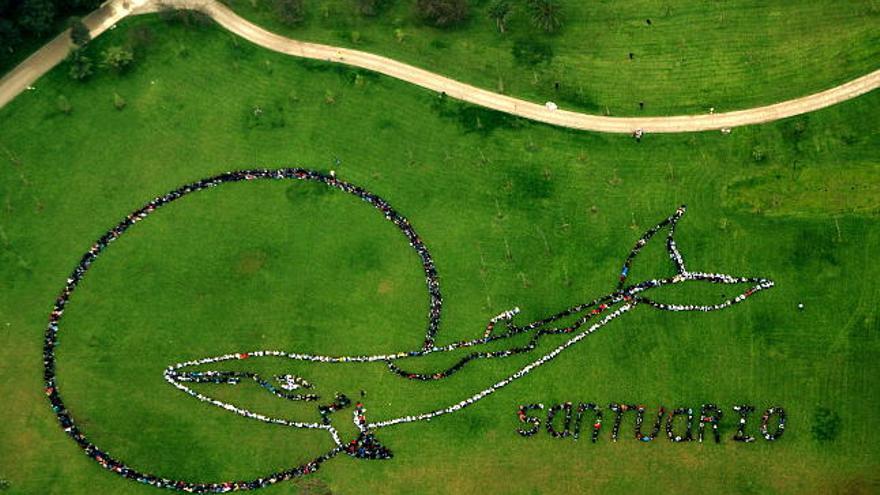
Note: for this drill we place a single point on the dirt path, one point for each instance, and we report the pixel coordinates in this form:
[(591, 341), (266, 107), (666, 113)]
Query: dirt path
[(54, 52)]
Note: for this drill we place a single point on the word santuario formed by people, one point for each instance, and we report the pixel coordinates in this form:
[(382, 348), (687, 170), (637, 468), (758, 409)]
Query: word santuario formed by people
[(568, 419)]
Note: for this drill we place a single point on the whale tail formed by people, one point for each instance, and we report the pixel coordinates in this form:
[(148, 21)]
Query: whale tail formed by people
[(682, 274)]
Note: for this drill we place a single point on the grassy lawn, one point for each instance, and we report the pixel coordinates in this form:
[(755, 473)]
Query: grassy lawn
[(693, 56), (515, 214)]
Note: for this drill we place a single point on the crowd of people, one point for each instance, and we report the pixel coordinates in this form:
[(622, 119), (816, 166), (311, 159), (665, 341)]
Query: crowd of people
[(710, 414), (180, 380), (599, 306), (285, 383), (596, 424), (566, 424), (340, 402), (51, 336), (629, 295), (503, 383), (624, 299), (365, 446)]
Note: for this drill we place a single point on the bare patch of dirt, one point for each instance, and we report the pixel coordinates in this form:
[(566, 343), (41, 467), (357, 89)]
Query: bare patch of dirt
[(250, 262), (385, 287)]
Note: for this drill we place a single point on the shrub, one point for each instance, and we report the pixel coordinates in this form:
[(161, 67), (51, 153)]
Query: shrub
[(9, 34), (79, 33), (826, 424), (794, 130), (187, 17), (442, 13), (270, 116), (140, 37), (118, 58), (758, 154), (370, 8), (118, 101), (81, 66), (290, 12), (546, 14), (64, 105), (529, 51)]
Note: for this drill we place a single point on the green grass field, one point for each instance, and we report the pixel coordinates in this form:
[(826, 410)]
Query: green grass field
[(693, 56), (515, 213)]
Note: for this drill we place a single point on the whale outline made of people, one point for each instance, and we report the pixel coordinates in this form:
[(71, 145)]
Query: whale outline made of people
[(600, 311)]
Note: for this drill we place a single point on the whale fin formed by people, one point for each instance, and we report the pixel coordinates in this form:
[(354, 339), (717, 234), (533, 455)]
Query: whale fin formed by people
[(501, 338)]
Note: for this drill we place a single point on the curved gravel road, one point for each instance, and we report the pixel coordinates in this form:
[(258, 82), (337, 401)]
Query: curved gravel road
[(23, 76)]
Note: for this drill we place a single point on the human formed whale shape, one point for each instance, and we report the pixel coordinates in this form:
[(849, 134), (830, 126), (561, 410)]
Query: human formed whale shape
[(581, 321), (304, 385)]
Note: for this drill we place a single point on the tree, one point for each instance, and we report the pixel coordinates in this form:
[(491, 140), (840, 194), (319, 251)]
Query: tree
[(36, 16), (79, 33), (442, 13), (81, 66), (531, 51), (370, 8), (500, 12), (290, 12), (140, 37), (118, 58), (758, 154), (9, 35), (826, 424), (81, 5), (546, 14)]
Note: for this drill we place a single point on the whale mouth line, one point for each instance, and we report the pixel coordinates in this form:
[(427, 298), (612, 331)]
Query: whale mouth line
[(282, 386), (182, 380)]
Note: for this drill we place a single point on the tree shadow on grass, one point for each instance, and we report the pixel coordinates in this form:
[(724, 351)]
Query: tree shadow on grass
[(474, 119)]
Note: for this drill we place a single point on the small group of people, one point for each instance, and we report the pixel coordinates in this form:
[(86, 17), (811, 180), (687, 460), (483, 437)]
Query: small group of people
[(670, 425), (574, 419), (523, 414), (566, 425), (365, 446), (765, 423)]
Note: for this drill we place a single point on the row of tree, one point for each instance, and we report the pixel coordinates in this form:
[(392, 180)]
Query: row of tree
[(117, 58), (544, 14)]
